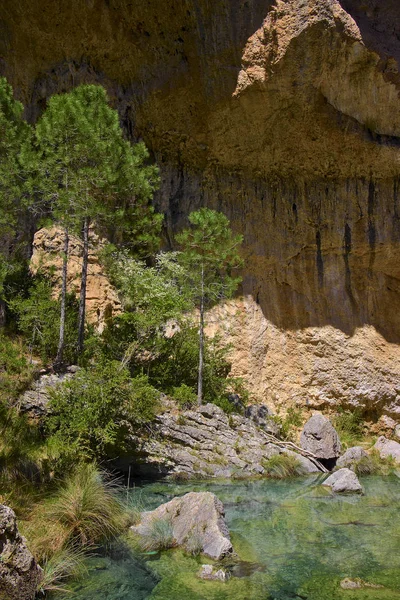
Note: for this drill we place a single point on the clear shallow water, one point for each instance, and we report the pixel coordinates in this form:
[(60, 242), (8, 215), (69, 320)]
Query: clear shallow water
[(297, 542)]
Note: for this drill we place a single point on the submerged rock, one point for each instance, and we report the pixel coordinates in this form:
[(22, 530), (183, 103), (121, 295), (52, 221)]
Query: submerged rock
[(388, 448), (357, 584), (210, 573), (197, 524), (344, 481), (320, 437), (20, 575), (351, 457)]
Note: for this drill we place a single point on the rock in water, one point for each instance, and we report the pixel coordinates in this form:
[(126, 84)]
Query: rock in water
[(197, 522), (388, 448), (20, 575), (320, 437), (351, 456), (344, 481)]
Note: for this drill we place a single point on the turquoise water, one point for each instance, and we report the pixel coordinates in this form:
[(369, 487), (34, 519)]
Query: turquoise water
[(294, 539)]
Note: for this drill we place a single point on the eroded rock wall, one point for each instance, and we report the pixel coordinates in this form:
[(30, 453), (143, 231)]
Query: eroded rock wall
[(284, 114)]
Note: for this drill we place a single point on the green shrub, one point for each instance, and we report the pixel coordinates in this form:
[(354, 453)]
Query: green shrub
[(16, 373), (349, 425), (21, 447), (184, 396), (38, 318), (92, 412), (281, 466)]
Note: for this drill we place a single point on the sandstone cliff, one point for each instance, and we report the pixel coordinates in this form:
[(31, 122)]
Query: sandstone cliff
[(285, 115)]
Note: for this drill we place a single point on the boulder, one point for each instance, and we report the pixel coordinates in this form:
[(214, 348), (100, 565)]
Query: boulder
[(320, 437), (344, 481), (196, 520), (351, 457), (20, 575), (388, 448)]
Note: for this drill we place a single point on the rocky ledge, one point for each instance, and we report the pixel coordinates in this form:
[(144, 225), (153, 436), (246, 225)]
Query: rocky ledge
[(207, 443), (20, 575)]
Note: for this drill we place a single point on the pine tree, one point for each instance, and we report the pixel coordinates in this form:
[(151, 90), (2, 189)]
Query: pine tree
[(14, 131), (87, 172), (209, 253)]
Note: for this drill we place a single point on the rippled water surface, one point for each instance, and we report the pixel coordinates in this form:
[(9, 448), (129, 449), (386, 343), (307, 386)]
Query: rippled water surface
[(294, 539)]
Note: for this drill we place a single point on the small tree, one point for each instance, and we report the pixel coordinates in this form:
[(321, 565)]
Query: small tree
[(151, 297), (209, 253), (87, 171)]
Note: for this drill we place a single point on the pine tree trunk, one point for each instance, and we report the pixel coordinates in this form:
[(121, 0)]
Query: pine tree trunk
[(201, 344), (60, 350), (82, 298)]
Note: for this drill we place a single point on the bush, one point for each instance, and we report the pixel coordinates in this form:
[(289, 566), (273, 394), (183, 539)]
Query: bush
[(16, 373), (184, 396), (176, 364), (20, 447), (38, 318), (281, 466), (92, 412), (349, 425)]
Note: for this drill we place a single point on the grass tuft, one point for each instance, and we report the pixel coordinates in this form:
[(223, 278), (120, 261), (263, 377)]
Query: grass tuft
[(281, 466), (64, 564), (159, 536)]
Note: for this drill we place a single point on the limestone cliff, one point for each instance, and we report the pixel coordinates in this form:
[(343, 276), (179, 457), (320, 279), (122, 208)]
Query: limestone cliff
[(285, 115)]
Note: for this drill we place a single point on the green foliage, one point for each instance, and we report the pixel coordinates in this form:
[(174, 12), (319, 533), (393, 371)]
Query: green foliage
[(184, 396), (15, 372), (209, 254), (349, 425), (90, 413), (80, 162), (38, 318), (176, 364), (151, 297), (159, 535), (282, 466), (290, 422), (14, 131), (20, 447)]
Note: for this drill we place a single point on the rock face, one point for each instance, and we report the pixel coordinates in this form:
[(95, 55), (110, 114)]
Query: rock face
[(388, 448), (262, 416), (20, 576), (320, 437), (351, 456), (197, 519), (344, 481), (286, 116), (205, 442), (35, 401), (101, 298)]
